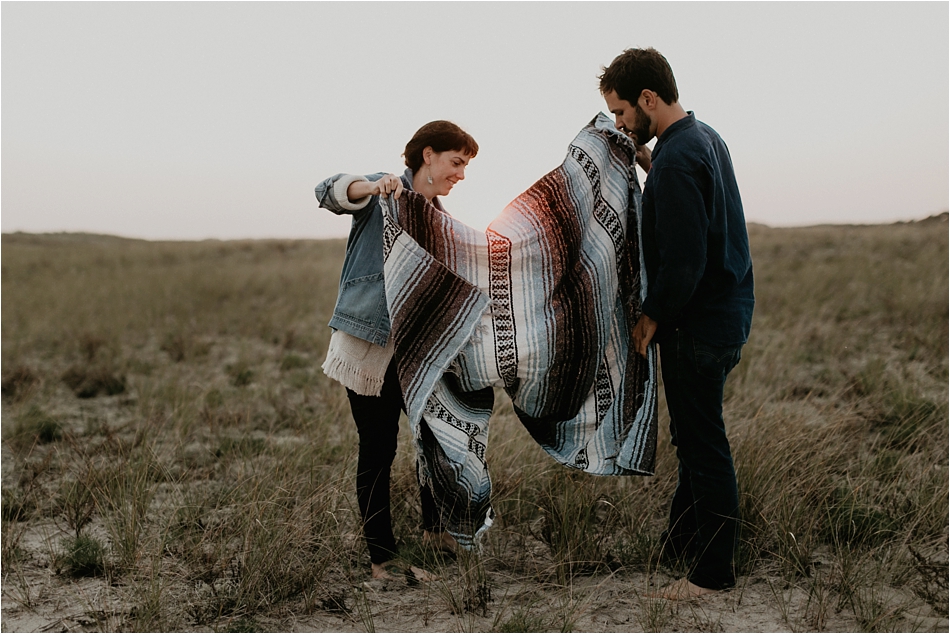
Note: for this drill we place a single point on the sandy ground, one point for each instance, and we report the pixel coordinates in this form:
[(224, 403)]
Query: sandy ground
[(41, 601)]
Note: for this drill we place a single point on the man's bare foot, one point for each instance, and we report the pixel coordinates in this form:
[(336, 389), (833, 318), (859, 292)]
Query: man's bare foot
[(440, 541), (681, 590), (393, 571)]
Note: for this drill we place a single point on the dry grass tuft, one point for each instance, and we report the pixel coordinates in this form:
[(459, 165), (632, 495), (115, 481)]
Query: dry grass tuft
[(92, 381), (35, 426), (19, 382)]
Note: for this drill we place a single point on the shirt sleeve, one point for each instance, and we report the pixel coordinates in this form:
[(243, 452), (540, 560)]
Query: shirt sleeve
[(681, 229)]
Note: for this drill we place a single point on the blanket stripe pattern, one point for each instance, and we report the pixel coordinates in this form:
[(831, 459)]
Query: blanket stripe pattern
[(541, 304)]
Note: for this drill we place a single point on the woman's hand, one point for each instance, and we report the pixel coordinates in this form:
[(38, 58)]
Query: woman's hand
[(388, 184)]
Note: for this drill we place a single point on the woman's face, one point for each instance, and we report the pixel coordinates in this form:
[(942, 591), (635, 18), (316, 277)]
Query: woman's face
[(446, 169)]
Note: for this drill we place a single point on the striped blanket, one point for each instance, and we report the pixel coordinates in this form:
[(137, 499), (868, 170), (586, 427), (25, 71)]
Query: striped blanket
[(541, 304)]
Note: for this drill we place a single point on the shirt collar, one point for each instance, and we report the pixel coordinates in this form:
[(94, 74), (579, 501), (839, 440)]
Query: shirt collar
[(686, 122)]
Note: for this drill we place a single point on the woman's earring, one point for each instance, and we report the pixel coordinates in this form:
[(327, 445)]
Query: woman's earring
[(429, 178)]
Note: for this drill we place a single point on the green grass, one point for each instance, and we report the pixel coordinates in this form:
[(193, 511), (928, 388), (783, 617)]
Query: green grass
[(82, 557), (164, 401), (34, 426)]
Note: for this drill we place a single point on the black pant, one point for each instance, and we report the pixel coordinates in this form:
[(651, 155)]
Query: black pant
[(377, 421), (704, 515)]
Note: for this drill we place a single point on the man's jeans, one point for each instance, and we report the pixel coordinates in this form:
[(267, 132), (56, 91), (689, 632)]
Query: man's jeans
[(704, 515)]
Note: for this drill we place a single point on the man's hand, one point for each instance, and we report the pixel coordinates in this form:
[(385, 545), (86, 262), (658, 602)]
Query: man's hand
[(644, 158), (642, 334)]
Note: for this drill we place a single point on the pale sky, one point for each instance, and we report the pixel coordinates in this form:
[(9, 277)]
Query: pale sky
[(180, 120)]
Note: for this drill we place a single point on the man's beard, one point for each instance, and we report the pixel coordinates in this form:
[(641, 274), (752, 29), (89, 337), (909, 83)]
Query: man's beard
[(641, 125)]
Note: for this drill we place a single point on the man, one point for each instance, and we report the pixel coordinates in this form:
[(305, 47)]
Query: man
[(698, 306)]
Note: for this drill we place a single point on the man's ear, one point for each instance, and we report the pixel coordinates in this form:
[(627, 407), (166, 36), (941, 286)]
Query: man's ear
[(649, 99)]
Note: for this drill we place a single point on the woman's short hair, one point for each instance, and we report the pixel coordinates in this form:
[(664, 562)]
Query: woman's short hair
[(441, 136)]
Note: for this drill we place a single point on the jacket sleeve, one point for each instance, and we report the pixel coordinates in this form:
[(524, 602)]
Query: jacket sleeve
[(681, 227), (331, 193)]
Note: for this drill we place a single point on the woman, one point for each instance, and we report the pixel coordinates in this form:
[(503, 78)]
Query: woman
[(361, 351)]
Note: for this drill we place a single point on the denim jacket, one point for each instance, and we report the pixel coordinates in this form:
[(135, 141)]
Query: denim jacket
[(361, 302)]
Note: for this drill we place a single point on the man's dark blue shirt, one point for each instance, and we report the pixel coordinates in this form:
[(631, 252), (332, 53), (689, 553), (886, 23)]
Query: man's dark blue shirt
[(695, 242)]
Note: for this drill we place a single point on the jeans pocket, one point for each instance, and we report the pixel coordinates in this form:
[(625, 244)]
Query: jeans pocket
[(715, 362)]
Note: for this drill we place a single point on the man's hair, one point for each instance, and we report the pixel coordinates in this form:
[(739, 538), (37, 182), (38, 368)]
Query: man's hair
[(441, 136), (637, 69)]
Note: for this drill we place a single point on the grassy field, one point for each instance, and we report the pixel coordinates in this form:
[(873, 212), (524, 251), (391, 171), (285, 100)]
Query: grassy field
[(174, 458)]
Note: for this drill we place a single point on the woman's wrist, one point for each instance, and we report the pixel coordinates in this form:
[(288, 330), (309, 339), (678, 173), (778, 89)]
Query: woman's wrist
[(359, 190), (342, 193)]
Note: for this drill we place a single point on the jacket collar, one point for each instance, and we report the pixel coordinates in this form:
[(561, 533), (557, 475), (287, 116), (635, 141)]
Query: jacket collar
[(407, 183)]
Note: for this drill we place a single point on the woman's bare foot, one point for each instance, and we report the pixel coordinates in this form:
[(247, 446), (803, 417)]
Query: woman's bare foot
[(422, 574), (385, 571), (393, 571), (440, 541), (681, 590)]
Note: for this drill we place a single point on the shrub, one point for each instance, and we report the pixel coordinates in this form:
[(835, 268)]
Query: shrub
[(81, 556), (293, 362), (19, 382), (241, 373), (577, 523), (77, 504), (36, 426), (90, 345), (16, 505), (91, 381)]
